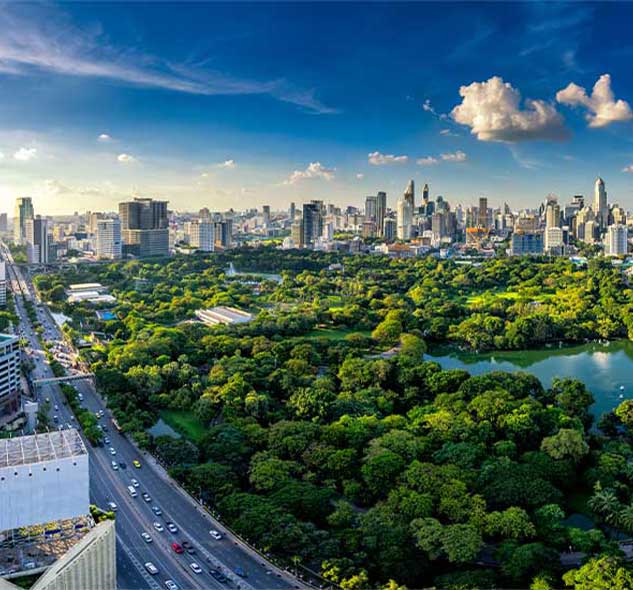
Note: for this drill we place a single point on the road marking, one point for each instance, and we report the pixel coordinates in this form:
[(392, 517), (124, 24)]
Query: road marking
[(139, 566)]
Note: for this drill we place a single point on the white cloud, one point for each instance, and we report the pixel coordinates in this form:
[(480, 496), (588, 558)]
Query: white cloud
[(314, 170), (602, 107), (25, 154), (428, 161), (55, 187), (492, 110), (448, 133), (104, 137), (628, 169), (457, 156), (126, 159), (228, 164), (426, 106), (360, 176), (378, 159)]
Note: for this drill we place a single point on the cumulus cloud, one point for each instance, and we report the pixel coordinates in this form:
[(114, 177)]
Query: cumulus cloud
[(492, 110), (457, 156), (628, 169), (104, 137), (360, 176), (378, 159), (428, 161), (314, 170), (126, 159), (603, 109), (228, 164), (25, 154), (55, 187)]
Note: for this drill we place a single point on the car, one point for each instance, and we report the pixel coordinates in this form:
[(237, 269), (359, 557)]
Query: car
[(156, 510), (115, 465), (56, 408), (241, 572), (219, 576), (112, 451), (146, 497), (112, 506), (151, 568), (195, 568), (177, 548), (136, 463), (190, 550), (171, 585), (56, 418), (106, 440), (158, 527), (135, 482), (105, 428), (146, 537), (172, 527), (215, 534), (72, 417)]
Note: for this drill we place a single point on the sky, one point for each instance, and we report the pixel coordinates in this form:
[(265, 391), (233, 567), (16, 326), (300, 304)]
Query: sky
[(242, 104)]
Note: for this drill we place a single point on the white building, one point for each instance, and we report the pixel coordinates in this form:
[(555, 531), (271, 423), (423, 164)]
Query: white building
[(553, 238), (37, 240), (600, 206), (10, 389), (108, 232), (404, 218), (3, 284), (223, 315), (616, 240), (202, 235)]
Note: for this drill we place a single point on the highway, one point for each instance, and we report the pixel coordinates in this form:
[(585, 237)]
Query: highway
[(134, 515)]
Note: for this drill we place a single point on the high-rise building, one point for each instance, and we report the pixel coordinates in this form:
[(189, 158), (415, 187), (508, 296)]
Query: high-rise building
[(266, 215), (617, 240), (370, 208), (10, 390), (404, 218), (144, 227), (312, 222), (526, 242), (600, 206), (552, 214), (3, 284), (109, 244), (202, 235), (425, 194), (37, 240), (409, 195), (23, 211), (554, 242), (381, 210), (223, 234), (292, 212), (204, 213), (389, 229), (296, 233), (482, 213), (4, 223)]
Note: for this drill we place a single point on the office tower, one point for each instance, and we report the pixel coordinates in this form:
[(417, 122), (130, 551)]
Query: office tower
[(381, 210), (266, 215), (482, 213), (23, 211), (202, 235), (109, 245), (425, 194), (223, 234), (3, 284), (409, 195), (292, 212), (296, 233), (370, 208), (4, 224), (617, 240), (204, 213), (600, 206), (10, 389), (404, 217), (144, 227), (526, 242), (389, 229), (591, 231), (618, 215), (553, 239), (37, 240), (552, 214), (312, 222)]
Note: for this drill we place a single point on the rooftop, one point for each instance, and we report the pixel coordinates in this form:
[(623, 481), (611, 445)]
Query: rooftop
[(36, 448)]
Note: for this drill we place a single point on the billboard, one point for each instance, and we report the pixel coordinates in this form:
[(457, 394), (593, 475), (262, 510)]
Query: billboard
[(43, 478)]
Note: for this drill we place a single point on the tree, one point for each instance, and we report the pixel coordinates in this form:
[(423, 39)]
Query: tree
[(574, 398), (565, 443), (512, 523), (625, 413), (601, 573)]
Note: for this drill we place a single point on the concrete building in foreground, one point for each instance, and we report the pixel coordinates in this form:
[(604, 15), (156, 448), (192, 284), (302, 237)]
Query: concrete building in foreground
[(10, 388)]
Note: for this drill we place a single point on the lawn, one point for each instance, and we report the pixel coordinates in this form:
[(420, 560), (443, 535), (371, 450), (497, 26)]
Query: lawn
[(184, 422), (335, 333)]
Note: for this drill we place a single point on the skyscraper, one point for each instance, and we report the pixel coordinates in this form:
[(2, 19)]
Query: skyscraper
[(552, 214), (37, 240), (482, 213), (409, 195), (202, 235), (108, 232), (292, 211), (266, 215), (23, 211), (404, 217), (144, 227), (312, 222), (617, 240), (381, 210), (600, 207), (425, 194)]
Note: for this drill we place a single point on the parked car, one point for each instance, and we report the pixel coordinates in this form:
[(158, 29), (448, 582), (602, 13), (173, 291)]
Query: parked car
[(215, 534)]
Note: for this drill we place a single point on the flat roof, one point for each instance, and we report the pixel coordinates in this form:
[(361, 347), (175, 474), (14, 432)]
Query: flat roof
[(38, 448), (83, 286)]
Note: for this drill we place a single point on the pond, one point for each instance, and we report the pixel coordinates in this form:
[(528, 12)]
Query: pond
[(606, 369)]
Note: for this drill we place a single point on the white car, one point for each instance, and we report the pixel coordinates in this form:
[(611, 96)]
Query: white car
[(146, 537), (151, 568), (112, 451), (172, 527), (171, 585), (112, 506), (195, 568), (158, 527), (215, 534), (135, 482), (115, 465), (146, 497)]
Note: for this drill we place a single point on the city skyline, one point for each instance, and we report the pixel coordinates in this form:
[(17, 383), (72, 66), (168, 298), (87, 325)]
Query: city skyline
[(255, 107)]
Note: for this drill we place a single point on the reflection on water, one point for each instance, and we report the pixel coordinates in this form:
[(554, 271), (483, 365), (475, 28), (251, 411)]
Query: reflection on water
[(606, 369)]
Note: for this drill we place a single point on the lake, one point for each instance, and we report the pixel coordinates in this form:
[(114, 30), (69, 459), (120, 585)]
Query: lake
[(604, 368)]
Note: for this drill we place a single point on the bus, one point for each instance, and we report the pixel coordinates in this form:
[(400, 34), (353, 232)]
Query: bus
[(116, 426)]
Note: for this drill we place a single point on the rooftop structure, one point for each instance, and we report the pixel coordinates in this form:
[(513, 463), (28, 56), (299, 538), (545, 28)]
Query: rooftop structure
[(25, 450), (81, 287), (223, 315), (91, 297)]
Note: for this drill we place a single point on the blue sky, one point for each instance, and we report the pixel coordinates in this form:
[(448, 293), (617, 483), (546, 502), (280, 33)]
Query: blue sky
[(237, 105)]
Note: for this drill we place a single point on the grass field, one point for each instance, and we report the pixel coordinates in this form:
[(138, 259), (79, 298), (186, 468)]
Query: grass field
[(185, 423), (488, 297), (335, 333)]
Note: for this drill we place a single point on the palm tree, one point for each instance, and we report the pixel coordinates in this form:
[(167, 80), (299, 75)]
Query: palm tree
[(604, 503), (625, 518)]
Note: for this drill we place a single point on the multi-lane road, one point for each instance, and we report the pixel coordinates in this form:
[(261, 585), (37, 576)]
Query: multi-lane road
[(134, 515)]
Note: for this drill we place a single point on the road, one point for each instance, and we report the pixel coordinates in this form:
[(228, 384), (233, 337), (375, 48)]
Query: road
[(134, 515)]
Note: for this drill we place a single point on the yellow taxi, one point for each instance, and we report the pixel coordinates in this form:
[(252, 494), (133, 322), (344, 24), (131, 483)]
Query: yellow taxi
[(136, 463)]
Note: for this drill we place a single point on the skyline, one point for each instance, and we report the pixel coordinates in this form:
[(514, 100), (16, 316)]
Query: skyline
[(249, 105)]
